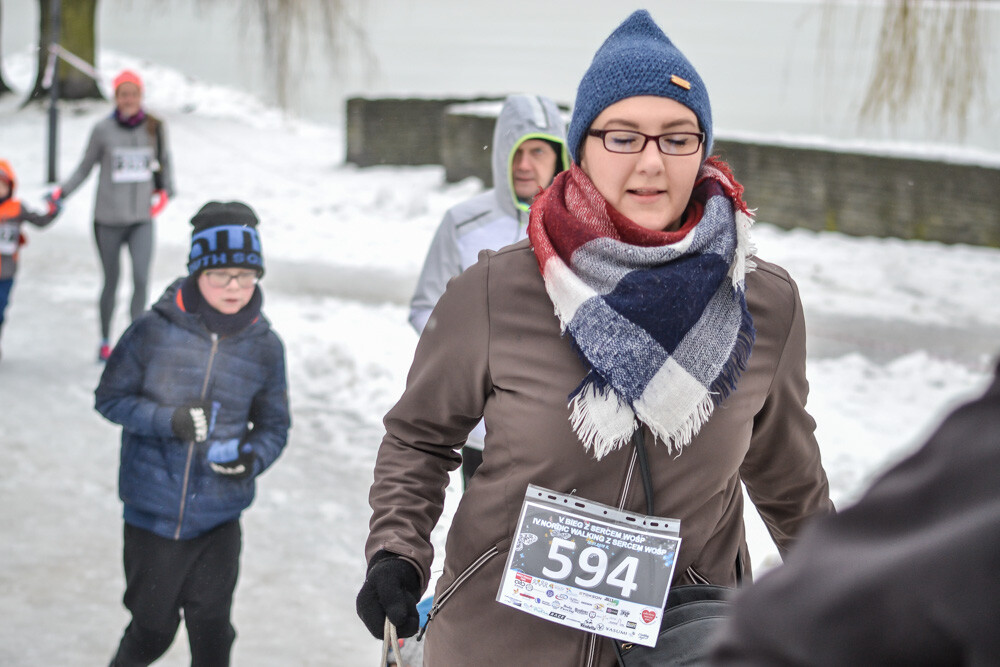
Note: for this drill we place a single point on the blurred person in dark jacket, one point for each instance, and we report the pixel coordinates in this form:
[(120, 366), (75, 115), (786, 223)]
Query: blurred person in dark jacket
[(907, 576)]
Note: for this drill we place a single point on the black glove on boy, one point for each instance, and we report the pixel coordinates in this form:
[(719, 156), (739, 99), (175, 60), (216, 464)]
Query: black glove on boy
[(192, 421)]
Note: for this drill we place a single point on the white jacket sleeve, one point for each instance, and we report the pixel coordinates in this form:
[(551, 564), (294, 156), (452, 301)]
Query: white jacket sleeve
[(442, 263)]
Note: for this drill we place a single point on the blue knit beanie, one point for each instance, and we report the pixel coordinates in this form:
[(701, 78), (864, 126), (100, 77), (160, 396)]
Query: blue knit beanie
[(225, 236), (637, 59)]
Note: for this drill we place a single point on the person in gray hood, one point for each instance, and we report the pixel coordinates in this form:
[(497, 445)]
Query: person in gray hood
[(528, 151), (135, 169)]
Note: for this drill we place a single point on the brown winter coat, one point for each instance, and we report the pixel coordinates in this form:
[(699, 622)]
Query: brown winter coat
[(492, 348)]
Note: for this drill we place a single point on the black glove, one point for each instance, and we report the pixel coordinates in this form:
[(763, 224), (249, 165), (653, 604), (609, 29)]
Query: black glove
[(231, 458), (391, 589), (193, 421)]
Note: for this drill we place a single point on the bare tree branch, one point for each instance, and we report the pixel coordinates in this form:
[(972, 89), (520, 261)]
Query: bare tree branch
[(928, 50), (286, 25)]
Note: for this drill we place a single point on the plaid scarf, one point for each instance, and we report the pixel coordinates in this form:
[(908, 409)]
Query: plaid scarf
[(660, 318)]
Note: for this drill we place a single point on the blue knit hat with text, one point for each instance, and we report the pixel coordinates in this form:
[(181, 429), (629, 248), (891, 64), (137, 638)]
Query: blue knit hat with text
[(637, 59), (225, 236)]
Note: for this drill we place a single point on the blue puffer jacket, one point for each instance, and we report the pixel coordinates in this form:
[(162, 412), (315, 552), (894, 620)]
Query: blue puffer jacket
[(168, 358)]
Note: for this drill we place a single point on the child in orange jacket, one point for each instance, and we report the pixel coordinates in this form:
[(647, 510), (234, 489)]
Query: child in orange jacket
[(12, 215)]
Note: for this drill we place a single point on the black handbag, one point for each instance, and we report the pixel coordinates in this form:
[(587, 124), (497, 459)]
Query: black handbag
[(691, 614)]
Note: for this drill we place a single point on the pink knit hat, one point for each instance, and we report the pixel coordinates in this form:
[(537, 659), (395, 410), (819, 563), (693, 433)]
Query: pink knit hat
[(127, 76)]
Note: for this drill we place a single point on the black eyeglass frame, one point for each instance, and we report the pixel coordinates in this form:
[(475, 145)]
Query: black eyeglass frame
[(603, 136), (212, 277)]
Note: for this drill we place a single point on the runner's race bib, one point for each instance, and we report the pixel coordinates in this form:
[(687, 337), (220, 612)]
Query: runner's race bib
[(132, 165), (9, 237), (591, 566)]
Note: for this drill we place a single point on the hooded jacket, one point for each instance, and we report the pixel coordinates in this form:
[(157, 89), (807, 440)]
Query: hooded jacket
[(168, 358), (128, 156), (12, 214), (493, 348), (494, 218)]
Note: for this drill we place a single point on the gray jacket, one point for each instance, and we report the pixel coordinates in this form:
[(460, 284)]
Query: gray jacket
[(494, 218), (128, 158)]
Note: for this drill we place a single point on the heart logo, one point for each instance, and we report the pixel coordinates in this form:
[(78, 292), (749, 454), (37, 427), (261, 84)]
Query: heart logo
[(648, 615)]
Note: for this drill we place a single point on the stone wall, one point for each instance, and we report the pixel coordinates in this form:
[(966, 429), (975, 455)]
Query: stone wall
[(467, 146), (868, 195), (854, 193), (398, 131)]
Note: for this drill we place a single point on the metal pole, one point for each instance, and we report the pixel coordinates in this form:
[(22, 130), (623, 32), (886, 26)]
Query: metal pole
[(55, 7)]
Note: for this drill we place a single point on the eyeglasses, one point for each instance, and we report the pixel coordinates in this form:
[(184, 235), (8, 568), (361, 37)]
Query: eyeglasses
[(221, 279), (671, 143)]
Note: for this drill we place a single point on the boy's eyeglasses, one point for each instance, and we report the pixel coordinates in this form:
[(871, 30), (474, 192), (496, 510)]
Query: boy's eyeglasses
[(671, 143), (220, 279)]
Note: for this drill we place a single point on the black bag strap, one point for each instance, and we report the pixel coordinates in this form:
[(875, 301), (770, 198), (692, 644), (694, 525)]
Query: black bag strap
[(639, 441), (155, 128), (159, 140)]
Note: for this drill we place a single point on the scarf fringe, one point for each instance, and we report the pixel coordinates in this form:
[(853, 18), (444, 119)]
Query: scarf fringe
[(591, 406), (725, 384), (594, 435), (684, 433)]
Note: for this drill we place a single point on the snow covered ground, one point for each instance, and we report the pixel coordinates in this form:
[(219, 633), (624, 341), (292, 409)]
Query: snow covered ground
[(899, 331)]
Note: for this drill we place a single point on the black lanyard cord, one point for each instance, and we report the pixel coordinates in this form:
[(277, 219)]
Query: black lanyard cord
[(647, 480)]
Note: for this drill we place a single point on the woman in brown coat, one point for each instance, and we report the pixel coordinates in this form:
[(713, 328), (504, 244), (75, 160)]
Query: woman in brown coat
[(636, 305)]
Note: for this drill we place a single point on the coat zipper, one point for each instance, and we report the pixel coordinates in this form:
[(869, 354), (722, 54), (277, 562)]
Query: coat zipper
[(440, 600), (190, 452), (592, 638)]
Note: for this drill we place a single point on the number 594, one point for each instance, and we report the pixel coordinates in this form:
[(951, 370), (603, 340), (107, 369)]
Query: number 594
[(593, 561)]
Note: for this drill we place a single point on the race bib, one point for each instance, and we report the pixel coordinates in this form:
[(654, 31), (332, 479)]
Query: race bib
[(132, 165), (590, 566), (9, 235)]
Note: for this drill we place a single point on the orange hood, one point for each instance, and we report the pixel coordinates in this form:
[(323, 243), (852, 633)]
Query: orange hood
[(7, 174)]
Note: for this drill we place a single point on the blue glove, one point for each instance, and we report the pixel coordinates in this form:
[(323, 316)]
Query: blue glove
[(232, 458)]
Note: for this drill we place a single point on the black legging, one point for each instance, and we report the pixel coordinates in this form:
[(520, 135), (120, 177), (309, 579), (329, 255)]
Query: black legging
[(110, 239)]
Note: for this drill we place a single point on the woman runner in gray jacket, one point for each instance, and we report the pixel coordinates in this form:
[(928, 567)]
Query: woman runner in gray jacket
[(131, 148)]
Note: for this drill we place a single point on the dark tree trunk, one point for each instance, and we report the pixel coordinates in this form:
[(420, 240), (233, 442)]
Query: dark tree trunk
[(4, 88), (78, 21)]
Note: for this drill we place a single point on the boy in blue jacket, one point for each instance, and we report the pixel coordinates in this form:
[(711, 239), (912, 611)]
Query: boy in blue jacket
[(198, 384)]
